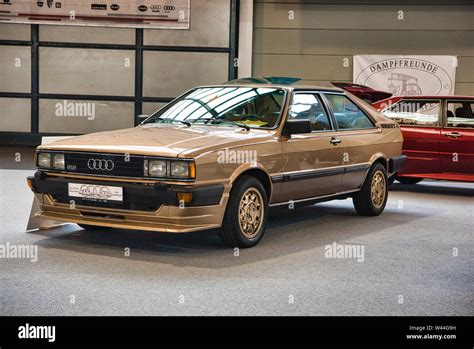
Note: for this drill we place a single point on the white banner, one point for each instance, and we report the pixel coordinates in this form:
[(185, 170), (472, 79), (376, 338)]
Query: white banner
[(407, 75)]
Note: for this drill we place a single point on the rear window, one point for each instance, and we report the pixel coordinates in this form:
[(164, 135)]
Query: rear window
[(347, 114)]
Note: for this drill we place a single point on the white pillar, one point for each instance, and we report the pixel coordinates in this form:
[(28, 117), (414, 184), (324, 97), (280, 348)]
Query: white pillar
[(245, 38)]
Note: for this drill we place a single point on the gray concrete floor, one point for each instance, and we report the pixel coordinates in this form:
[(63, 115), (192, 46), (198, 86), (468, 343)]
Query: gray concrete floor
[(408, 253)]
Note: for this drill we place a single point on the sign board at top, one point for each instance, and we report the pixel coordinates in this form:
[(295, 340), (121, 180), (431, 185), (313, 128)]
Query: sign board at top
[(160, 14)]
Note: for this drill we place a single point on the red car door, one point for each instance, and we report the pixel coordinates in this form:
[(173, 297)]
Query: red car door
[(457, 138), (419, 120)]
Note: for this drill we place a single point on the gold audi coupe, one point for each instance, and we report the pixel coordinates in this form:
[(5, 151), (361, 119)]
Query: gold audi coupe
[(219, 157)]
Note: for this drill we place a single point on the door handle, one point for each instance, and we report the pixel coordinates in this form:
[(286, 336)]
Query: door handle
[(453, 135), (335, 141)]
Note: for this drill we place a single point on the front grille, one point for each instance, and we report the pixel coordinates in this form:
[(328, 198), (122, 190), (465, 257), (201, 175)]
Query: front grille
[(99, 164)]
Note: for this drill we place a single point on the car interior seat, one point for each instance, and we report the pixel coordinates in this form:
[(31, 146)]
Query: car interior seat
[(270, 117), (461, 112)]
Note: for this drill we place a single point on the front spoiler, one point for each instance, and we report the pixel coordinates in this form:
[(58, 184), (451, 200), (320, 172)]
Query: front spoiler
[(168, 217)]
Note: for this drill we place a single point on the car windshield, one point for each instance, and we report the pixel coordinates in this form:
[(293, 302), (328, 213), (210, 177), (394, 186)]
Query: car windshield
[(240, 106)]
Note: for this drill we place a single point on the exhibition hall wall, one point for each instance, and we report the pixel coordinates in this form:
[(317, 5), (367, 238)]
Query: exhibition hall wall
[(97, 65), (316, 41)]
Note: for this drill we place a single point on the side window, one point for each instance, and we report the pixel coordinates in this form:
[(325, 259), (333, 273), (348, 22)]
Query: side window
[(414, 112), (347, 114), (308, 106), (459, 114)]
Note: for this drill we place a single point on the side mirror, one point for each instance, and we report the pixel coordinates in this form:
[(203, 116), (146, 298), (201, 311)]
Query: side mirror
[(297, 126)]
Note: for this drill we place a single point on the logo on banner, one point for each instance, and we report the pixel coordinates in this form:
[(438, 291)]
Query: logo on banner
[(405, 76)]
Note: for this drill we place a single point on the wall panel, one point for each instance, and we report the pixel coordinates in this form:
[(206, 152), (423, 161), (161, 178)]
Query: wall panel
[(209, 27), (15, 114), (86, 71), (15, 69), (169, 74), (14, 32), (82, 116), (313, 45), (150, 107), (96, 35), (359, 17), (349, 42)]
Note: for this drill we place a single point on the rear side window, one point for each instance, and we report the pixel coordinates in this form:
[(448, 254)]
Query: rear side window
[(414, 112), (347, 114)]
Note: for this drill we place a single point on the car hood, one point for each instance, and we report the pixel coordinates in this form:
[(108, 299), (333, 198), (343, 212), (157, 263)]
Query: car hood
[(161, 140)]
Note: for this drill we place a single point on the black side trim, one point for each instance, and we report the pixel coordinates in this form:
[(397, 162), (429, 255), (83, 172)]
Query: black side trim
[(319, 173), (316, 174), (357, 168), (277, 179), (316, 200), (395, 164)]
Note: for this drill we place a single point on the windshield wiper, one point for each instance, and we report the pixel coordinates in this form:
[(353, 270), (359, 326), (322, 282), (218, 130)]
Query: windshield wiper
[(246, 127), (221, 121), (174, 120)]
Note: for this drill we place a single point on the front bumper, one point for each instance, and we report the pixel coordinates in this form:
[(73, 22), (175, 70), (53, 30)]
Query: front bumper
[(152, 207)]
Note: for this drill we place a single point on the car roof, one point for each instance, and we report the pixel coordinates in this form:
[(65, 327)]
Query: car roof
[(283, 87), (298, 87), (283, 82)]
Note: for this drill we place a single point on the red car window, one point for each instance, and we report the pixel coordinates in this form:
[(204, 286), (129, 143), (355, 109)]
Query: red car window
[(459, 114), (415, 112)]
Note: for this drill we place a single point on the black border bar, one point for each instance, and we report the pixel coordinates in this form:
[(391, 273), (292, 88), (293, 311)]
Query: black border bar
[(333, 331)]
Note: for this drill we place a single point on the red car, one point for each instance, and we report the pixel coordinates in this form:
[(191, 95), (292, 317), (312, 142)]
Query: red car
[(365, 93), (438, 133)]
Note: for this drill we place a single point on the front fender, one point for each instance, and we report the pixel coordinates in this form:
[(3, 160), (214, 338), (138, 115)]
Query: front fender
[(252, 167)]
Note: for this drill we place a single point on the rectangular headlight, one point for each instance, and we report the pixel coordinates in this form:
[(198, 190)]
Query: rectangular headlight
[(44, 160), (180, 169), (58, 161), (156, 168), (163, 168)]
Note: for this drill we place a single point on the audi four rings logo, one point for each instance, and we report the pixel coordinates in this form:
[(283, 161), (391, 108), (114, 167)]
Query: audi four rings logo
[(100, 164)]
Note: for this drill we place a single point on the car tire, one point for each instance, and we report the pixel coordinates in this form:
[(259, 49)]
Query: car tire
[(246, 214), (372, 197), (408, 180)]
